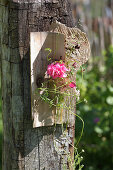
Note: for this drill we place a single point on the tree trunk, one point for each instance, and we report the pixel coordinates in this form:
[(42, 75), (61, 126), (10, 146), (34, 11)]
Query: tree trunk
[(25, 147)]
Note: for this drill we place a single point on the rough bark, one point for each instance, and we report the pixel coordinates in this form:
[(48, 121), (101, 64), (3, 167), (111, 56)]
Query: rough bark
[(26, 148)]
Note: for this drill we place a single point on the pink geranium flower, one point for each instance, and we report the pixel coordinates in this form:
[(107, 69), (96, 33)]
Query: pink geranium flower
[(57, 70), (72, 85)]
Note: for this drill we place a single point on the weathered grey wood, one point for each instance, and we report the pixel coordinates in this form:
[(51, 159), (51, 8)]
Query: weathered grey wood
[(42, 114), (26, 148)]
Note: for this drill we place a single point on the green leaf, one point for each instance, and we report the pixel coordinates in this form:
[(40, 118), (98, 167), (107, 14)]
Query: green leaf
[(48, 49), (98, 130), (109, 100), (106, 129), (110, 88)]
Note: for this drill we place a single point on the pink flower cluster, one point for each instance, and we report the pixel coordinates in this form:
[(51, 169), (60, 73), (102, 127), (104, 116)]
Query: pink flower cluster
[(57, 70)]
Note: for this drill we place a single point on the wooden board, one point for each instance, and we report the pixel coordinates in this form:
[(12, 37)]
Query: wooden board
[(42, 114)]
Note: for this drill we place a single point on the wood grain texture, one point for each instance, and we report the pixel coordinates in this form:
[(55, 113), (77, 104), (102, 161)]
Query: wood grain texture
[(26, 148), (42, 114)]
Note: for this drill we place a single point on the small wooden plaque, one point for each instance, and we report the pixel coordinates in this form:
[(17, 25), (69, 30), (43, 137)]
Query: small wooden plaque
[(42, 114)]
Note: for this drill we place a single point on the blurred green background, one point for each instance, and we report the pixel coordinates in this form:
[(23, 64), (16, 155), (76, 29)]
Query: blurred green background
[(97, 113), (96, 85)]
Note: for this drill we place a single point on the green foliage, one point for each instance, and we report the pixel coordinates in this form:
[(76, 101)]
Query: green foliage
[(49, 50), (97, 113), (55, 97)]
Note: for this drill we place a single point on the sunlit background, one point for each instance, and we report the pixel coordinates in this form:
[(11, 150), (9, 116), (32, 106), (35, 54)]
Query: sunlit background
[(95, 17)]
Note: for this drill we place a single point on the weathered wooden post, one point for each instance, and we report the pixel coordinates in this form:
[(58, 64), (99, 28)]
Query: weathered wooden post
[(25, 147)]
